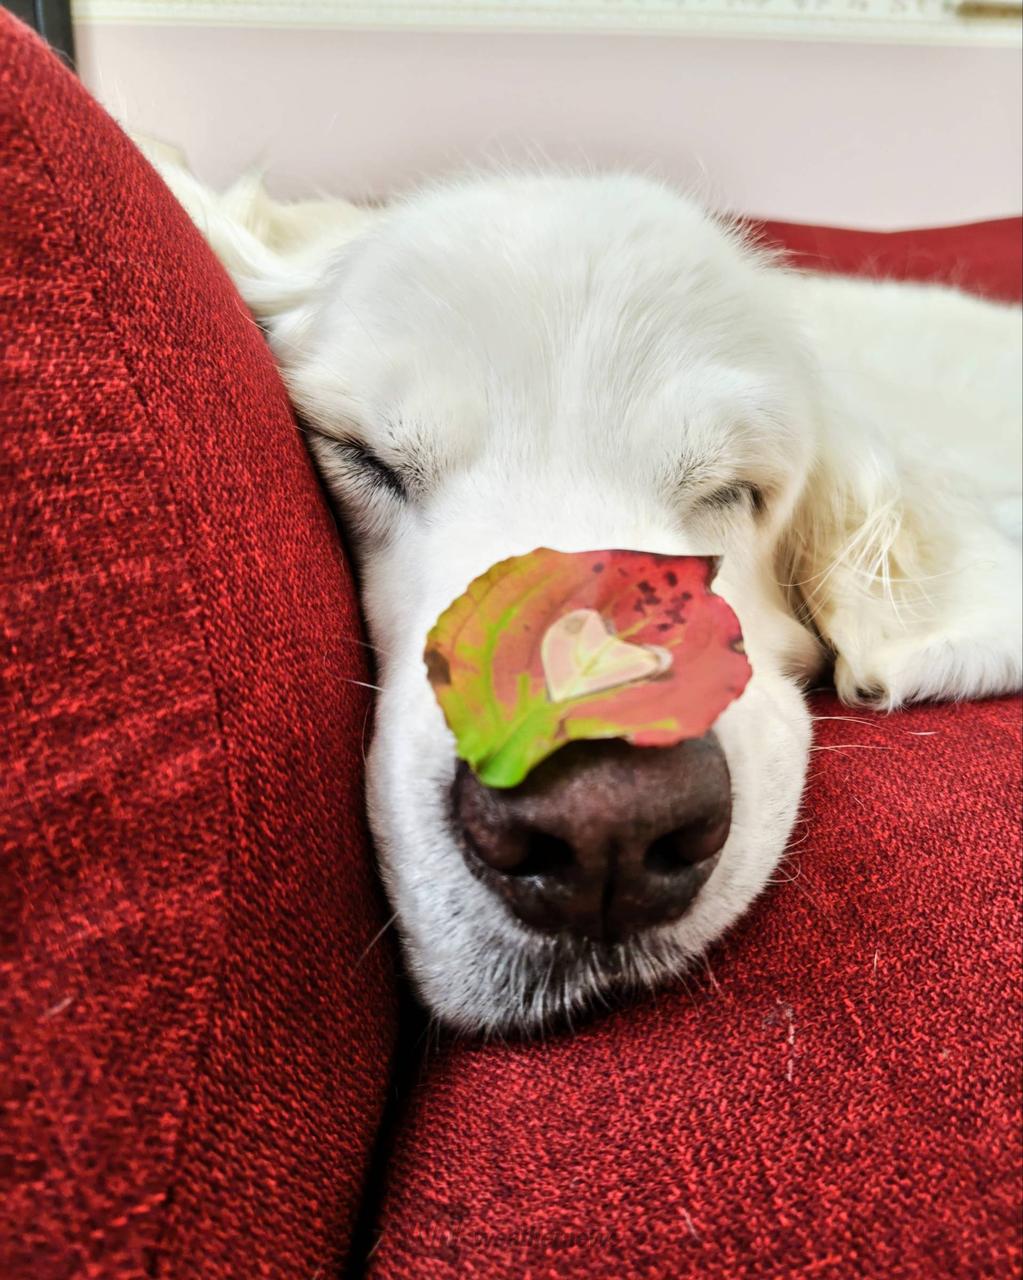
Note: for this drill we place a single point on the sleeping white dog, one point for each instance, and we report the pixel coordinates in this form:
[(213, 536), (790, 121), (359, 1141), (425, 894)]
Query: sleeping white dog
[(506, 362)]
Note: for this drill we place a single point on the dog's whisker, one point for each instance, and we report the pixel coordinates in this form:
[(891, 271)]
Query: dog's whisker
[(364, 643), (710, 975), (798, 844), (375, 939), (781, 879), (880, 724)]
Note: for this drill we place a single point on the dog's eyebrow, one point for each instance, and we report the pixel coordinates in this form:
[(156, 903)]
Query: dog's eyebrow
[(687, 472), (703, 476)]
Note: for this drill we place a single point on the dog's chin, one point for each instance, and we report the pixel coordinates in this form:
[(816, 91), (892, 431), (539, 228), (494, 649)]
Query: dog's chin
[(477, 968), (538, 983), (552, 982)]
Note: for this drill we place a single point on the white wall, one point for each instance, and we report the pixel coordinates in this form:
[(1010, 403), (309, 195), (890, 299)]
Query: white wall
[(870, 135)]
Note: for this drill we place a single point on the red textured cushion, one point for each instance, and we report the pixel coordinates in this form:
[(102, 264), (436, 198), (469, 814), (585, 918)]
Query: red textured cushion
[(837, 1093), (984, 257), (198, 1045)]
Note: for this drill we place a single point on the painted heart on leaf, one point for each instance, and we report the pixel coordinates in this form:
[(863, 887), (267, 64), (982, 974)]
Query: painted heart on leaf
[(580, 655), (552, 647)]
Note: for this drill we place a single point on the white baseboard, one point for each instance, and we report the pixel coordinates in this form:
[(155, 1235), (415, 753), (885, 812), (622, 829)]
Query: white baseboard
[(951, 22)]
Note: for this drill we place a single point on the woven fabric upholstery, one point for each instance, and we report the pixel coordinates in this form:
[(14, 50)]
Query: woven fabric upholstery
[(837, 1092), (196, 1054), (199, 1020), (985, 258)]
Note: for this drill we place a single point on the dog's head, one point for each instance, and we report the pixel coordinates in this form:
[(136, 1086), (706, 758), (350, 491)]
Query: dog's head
[(577, 363)]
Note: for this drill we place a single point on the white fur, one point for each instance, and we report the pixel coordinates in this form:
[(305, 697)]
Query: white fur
[(575, 362)]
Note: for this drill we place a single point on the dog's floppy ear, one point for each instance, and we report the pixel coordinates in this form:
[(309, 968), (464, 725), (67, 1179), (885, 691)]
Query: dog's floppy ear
[(904, 577), (276, 253)]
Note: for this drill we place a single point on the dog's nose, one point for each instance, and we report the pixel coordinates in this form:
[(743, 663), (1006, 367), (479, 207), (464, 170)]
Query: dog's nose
[(603, 838)]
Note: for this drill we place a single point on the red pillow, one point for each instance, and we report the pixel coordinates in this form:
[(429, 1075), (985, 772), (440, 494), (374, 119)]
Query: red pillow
[(836, 1092), (200, 1030)]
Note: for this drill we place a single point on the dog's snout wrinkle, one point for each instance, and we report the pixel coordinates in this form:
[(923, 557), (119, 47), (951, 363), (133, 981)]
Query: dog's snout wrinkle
[(603, 839)]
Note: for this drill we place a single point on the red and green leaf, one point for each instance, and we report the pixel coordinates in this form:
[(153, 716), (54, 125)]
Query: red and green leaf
[(550, 647)]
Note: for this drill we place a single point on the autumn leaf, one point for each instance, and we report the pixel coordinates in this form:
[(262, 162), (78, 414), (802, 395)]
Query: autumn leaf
[(551, 647)]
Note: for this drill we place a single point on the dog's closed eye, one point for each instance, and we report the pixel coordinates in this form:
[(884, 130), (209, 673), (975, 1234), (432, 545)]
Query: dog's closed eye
[(348, 462), (367, 466), (731, 495), (370, 493)]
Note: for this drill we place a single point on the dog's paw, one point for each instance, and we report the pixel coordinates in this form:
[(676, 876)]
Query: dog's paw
[(915, 669)]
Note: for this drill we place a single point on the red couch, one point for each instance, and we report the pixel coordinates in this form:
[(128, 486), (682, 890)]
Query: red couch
[(211, 1068)]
